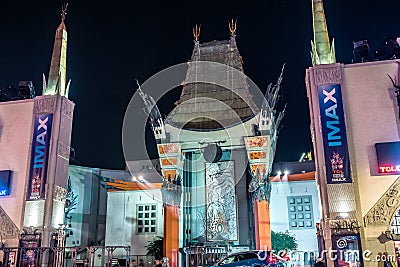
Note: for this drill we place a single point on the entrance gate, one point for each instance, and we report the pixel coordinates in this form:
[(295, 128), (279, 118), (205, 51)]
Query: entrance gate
[(62, 256), (203, 255)]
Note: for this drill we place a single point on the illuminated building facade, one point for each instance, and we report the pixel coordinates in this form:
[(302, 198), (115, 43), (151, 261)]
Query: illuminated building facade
[(216, 150), (295, 206), (34, 155), (114, 208), (355, 132)]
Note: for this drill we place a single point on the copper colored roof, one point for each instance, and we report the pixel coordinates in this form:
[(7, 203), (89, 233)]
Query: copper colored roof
[(204, 105), (121, 185), (307, 176)]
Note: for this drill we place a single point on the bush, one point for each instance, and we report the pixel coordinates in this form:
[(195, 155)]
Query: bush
[(281, 241), (155, 248)]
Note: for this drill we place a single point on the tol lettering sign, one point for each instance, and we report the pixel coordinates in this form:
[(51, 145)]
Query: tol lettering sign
[(389, 169), (388, 155), (334, 134), (39, 156)]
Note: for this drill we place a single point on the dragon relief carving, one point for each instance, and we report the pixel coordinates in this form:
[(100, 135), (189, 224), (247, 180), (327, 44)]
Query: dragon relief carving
[(60, 193), (45, 105), (8, 230), (328, 75), (63, 150), (67, 108), (382, 212)]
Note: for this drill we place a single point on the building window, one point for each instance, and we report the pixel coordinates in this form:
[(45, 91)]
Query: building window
[(146, 218), (300, 212)]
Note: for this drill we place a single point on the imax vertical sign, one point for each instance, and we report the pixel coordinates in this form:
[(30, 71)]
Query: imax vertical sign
[(39, 156), (334, 134)]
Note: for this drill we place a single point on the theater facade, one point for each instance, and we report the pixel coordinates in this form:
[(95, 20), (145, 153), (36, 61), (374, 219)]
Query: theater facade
[(355, 128), (216, 149)]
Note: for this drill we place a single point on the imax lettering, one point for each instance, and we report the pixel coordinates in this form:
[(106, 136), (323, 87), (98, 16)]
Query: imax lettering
[(41, 139), (39, 156), (329, 95), (334, 135), (42, 123)]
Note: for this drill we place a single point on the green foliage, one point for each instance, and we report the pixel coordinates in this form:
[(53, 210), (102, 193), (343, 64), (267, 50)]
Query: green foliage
[(155, 248), (281, 241)]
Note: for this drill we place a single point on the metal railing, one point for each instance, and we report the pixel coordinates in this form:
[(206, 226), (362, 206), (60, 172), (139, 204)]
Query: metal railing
[(64, 256)]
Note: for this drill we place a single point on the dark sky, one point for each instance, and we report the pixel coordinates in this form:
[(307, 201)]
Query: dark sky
[(112, 42)]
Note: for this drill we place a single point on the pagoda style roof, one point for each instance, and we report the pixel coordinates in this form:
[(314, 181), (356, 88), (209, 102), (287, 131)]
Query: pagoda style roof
[(215, 92)]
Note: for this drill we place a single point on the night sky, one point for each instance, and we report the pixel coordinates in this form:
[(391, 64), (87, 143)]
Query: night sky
[(110, 43)]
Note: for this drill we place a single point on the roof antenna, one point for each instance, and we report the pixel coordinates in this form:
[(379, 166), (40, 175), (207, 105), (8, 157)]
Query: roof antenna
[(64, 11), (232, 27), (196, 32)]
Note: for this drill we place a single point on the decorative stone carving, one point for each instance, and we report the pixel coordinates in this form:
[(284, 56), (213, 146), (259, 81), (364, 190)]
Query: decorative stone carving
[(45, 105), (312, 130), (67, 108), (382, 212), (344, 225), (331, 75), (8, 229), (63, 150), (308, 87), (60, 193)]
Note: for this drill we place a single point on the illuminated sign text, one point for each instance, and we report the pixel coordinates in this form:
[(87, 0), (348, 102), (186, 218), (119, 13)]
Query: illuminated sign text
[(39, 157), (334, 134), (5, 183), (388, 155)]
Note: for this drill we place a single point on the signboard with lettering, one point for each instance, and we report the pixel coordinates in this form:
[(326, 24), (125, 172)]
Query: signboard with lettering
[(29, 248), (5, 183), (334, 134), (39, 156), (388, 155)]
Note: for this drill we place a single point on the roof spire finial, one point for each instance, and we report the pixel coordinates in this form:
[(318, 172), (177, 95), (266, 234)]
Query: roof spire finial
[(323, 52), (232, 27), (64, 11), (196, 32), (56, 83)]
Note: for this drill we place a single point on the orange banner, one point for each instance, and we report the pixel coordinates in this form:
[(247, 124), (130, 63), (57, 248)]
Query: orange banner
[(169, 174), (257, 155), (256, 142), (169, 162), (260, 167), (168, 149)]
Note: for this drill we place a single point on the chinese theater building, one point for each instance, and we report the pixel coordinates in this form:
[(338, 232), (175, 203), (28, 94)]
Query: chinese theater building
[(35, 134), (216, 149), (355, 127)]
